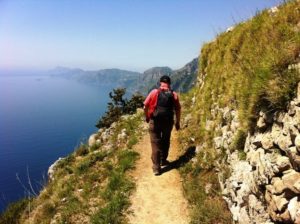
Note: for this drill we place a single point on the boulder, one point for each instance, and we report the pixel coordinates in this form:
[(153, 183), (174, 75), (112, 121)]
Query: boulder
[(277, 186), (276, 131), (296, 119), (273, 10), (288, 122), (291, 181), (284, 142), (261, 123), (293, 208), (51, 169), (293, 132), (267, 140), (229, 29), (294, 157), (244, 217), (282, 163), (257, 211), (280, 202), (92, 140), (297, 143), (279, 116)]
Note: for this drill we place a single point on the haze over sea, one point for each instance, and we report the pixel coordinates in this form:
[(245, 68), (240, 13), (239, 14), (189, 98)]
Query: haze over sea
[(41, 119)]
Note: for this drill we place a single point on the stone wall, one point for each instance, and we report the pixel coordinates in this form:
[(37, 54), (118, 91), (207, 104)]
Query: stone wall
[(265, 187)]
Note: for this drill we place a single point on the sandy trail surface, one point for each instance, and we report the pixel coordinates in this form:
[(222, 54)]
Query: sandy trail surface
[(157, 199)]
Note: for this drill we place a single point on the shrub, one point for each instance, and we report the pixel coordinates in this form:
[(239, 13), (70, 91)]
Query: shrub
[(82, 150), (119, 106)]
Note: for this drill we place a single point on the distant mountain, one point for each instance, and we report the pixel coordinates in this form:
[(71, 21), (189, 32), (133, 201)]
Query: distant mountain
[(150, 78), (68, 73), (111, 77), (182, 79)]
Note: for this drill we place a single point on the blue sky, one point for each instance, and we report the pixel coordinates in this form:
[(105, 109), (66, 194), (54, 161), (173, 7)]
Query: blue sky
[(127, 34)]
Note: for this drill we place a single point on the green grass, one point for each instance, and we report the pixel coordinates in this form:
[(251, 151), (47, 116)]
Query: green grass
[(248, 67), (238, 142), (117, 191), (207, 206), (14, 211), (90, 184), (82, 150), (246, 70)]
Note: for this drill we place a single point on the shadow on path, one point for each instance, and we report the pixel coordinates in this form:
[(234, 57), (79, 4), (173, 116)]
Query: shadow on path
[(181, 161)]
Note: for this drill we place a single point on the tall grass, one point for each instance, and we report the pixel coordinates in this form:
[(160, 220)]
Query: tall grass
[(246, 70)]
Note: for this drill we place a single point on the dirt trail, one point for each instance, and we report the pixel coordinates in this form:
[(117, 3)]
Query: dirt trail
[(158, 199)]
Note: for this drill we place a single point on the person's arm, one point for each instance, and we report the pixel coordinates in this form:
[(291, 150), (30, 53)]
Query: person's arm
[(146, 108), (177, 111), (147, 104)]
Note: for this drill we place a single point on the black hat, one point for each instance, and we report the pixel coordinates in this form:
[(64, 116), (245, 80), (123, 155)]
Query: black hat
[(165, 79)]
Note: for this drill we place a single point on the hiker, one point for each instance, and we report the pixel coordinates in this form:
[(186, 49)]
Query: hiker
[(159, 108)]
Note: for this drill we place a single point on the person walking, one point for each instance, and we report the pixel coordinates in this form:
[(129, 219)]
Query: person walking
[(159, 108)]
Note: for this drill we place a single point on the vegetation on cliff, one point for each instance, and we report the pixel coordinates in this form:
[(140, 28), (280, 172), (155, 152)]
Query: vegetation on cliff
[(248, 68), (119, 106)]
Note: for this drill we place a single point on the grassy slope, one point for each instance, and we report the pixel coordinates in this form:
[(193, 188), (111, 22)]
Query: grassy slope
[(247, 70), (90, 186)]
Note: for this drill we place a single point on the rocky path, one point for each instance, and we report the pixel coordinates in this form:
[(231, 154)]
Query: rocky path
[(158, 199)]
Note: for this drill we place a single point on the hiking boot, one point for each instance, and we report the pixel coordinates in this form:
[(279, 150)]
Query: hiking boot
[(156, 171), (165, 163)]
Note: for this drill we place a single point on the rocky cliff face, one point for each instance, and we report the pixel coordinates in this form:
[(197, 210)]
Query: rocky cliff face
[(184, 79), (264, 183)]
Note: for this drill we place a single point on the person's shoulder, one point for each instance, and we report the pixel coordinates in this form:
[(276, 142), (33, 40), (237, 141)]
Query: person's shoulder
[(153, 91)]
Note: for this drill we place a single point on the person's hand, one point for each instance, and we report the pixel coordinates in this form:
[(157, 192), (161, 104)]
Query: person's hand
[(177, 125)]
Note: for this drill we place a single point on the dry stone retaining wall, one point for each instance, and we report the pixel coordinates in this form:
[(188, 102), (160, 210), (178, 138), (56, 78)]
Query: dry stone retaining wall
[(265, 187)]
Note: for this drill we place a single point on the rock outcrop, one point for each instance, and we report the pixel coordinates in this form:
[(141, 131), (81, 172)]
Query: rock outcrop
[(265, 187)]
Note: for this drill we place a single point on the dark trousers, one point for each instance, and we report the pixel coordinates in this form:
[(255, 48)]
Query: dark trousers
[(160, 133)]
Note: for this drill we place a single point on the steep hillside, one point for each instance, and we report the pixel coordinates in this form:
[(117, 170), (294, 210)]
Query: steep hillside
[(248, 76), (184, 79)]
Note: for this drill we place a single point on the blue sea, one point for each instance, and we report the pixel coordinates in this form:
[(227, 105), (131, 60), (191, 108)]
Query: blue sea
[(41, 119)]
